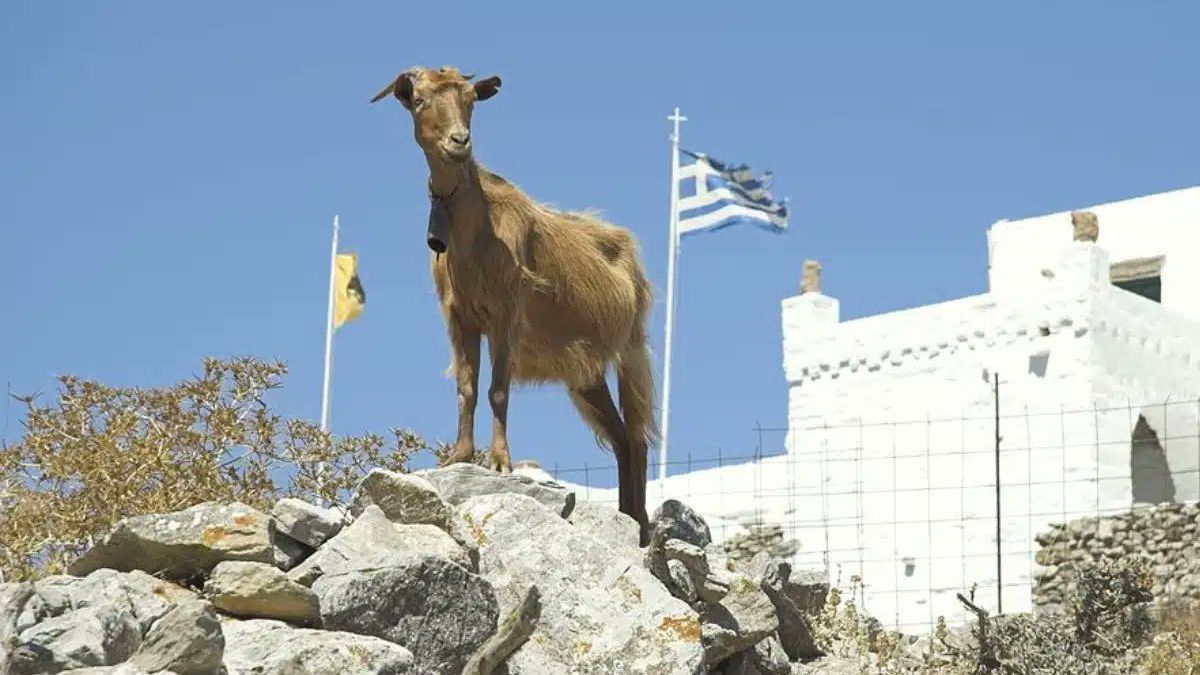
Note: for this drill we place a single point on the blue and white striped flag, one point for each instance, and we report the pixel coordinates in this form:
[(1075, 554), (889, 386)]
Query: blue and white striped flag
[(714, 195)]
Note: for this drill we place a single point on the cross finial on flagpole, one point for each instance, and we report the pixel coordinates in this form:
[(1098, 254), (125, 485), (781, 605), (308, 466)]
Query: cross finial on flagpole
[(676, 118)]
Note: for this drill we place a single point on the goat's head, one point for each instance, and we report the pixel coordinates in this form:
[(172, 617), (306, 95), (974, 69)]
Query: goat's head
[(441, 102)]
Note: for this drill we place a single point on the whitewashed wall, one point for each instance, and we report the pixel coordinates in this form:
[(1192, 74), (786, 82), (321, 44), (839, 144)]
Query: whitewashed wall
[(890, 471)]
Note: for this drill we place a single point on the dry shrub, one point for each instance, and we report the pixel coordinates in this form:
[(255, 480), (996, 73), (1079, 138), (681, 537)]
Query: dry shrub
[(99, 454), (1175, 650)]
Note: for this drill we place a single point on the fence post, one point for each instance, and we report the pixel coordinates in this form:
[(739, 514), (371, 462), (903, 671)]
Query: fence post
[(999, 543)]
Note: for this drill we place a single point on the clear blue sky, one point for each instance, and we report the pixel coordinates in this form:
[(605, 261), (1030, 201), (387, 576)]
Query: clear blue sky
[(168, 173)]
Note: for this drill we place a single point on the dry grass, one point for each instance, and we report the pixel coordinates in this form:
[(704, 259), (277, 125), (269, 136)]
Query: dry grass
[(1175, 649), (98, 454)]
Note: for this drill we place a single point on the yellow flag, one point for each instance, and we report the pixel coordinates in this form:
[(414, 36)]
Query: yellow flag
[(348, 295)]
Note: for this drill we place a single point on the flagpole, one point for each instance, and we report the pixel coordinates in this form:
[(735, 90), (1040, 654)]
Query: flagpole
[(329, 329), (672, 251)]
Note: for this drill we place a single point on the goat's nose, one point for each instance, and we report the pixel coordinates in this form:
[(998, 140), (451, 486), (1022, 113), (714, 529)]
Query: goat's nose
[(460, 137)]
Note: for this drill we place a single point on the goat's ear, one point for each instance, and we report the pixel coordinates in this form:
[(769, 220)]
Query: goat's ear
[(401, 88), (487, 88)]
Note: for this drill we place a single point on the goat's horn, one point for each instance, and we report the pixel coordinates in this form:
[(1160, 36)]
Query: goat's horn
[(384, 92), (469, 76), (391, 88)]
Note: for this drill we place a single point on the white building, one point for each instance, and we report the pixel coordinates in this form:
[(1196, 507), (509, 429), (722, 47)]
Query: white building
[(891, 464)]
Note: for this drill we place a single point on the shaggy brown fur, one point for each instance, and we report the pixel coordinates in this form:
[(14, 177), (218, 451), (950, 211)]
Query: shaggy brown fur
[(559, 296)]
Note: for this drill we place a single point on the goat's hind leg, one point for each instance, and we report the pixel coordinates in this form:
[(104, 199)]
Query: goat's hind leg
[(595, 404)]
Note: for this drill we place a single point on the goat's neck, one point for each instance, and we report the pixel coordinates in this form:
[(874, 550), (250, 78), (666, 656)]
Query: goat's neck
[(448, 180), (458, 185)]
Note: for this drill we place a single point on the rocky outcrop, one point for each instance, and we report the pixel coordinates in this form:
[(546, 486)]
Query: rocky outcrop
[(600, 613), (186, 641), (1165, 536), (460, 482), (184, 544), (264, 647), (454, 571), (370, 542), (431, 606), (403, 498)]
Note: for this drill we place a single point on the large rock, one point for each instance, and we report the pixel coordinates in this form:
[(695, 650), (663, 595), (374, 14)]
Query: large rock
[(767, 658), (257, 590), (184, 544), (684, 568), (72, 622), (373, 541), (304, 522), (265, 647), (600, 613), (403, 498), (287, 551), (187, 641), (97, 635), (144, 596), (429, 605), (743, 618), (676, 520), (606, 524), (459, 482), (798, 597)]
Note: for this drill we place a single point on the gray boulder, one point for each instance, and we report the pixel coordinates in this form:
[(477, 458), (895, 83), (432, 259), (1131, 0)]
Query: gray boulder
[(97, 635), (373, 541), (403, 498), (187, 641), (434, 608), (459, 482), (742, 619), (287, 551), (606, 524), (676, 520), (797, 604), (685, 570), (600, 613), (767, 658), (182, 545), (265, 647), (257, 590), (145, 597), (304, 522), (71, 622)]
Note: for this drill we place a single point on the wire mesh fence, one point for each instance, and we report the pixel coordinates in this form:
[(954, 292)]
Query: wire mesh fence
[(922, 509)]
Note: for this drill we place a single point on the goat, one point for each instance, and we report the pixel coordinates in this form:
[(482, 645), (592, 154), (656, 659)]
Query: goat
[(560, 296)]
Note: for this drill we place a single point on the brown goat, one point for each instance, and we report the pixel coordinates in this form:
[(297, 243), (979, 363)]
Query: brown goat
[(559, 296)]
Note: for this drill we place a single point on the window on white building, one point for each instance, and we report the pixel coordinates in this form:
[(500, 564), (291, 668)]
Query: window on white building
[(1142, 276)]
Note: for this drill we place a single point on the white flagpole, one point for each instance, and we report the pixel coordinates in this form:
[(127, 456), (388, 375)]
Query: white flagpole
[(672, 252), (329, 329)]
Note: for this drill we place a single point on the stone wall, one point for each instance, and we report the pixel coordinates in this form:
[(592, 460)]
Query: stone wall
[(1167, 536)]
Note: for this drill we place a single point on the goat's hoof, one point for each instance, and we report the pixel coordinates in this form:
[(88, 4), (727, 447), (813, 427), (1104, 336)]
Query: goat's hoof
[(458, 456)]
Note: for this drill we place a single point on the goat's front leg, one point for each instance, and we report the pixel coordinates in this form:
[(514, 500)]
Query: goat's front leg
[(464, 342), (500, 353)]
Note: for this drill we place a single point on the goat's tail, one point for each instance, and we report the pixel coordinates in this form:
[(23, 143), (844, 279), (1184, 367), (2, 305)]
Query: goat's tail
[(635, 387)]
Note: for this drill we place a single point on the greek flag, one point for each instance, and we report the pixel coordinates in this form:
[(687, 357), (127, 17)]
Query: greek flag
[(714, 195)]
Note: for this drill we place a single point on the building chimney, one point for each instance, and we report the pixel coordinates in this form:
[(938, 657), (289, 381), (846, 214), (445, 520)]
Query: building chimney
[(810, 279), (1086, 226)]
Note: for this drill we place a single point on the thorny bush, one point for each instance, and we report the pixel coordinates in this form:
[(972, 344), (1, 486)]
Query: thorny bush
[(103, 453)]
